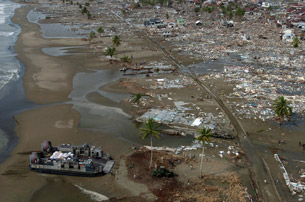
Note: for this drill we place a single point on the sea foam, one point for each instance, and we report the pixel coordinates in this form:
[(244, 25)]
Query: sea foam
[(9, 66)]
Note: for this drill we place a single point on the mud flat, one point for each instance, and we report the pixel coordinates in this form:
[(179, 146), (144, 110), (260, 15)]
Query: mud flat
[(48, 80)]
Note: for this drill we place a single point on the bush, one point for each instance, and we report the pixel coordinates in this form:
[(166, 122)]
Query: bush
[(162, 172), (197, 9)]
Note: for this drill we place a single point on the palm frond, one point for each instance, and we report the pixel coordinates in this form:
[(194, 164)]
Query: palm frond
[(150, 129)]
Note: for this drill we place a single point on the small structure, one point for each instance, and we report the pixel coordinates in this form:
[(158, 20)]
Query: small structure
[(167, 33), (171, 25), (198, 23), (301, 25), (265, 4), (180, 22), (228, 23), (288, 35), (153, 22)]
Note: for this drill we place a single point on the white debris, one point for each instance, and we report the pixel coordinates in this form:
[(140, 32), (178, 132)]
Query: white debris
[(293, 186)]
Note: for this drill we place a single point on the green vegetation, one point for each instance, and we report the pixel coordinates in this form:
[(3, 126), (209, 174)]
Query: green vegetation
[(116, 41), (180, 1), (100, 30), (110, 51), (137, 98), (205, 134), (260, 131), (89, 15), (126, 59), (197, 9), (87, 4), (282, 109), (92, 35), (48, 17), (84, 10), (228, 10), (136, 5), (296, 42), (150, 129), (167, 16), (162, 172), (208, 9), (240, 12)]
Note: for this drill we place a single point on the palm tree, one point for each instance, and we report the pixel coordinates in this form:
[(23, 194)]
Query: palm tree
[(282, 108), (126, 59), (110, 51), (92, 35), (89, 15), (84, 10), (205, 134), (116, 41), (100, 30), (296, 42), (137, 98), (150, 130)]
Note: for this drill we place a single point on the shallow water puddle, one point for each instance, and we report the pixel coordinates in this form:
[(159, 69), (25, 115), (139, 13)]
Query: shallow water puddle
[(109, 119)]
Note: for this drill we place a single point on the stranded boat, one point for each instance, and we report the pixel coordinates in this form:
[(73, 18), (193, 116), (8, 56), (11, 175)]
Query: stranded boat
[(68, 159)]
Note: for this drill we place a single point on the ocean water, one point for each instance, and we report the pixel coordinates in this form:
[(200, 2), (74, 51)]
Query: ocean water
[(9, 66)]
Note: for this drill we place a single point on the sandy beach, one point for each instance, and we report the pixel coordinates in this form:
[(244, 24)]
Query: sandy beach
[(48, 80)]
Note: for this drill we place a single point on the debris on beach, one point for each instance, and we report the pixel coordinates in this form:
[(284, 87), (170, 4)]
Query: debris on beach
[(296, 186)]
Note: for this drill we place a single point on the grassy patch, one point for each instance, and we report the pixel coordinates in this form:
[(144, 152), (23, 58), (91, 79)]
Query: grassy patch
[(260, 131)]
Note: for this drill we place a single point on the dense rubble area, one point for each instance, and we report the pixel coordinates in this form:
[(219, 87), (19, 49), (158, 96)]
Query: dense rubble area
[(255, 38), (256, 88)]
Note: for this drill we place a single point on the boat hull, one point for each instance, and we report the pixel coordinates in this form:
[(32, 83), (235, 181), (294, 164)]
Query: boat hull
[(66, 172)]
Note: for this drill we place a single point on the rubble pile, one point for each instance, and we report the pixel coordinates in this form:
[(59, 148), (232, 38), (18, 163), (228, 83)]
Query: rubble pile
[(217, 122), (294, 187), (256, 39), (164, 83), (257, 88)]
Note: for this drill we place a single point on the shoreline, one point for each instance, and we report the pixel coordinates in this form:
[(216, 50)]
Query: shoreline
[(47, 81), (12, 102)]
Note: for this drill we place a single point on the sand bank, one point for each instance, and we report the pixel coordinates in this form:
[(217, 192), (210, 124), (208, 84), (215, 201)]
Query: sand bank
[(48, 80)]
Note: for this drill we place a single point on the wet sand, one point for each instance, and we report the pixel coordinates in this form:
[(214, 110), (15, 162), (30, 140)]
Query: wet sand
[(48, 80)]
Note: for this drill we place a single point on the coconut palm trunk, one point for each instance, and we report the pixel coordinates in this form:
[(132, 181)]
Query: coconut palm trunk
[(205, 134), (150, 129), (151, 152), (202, 154)]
